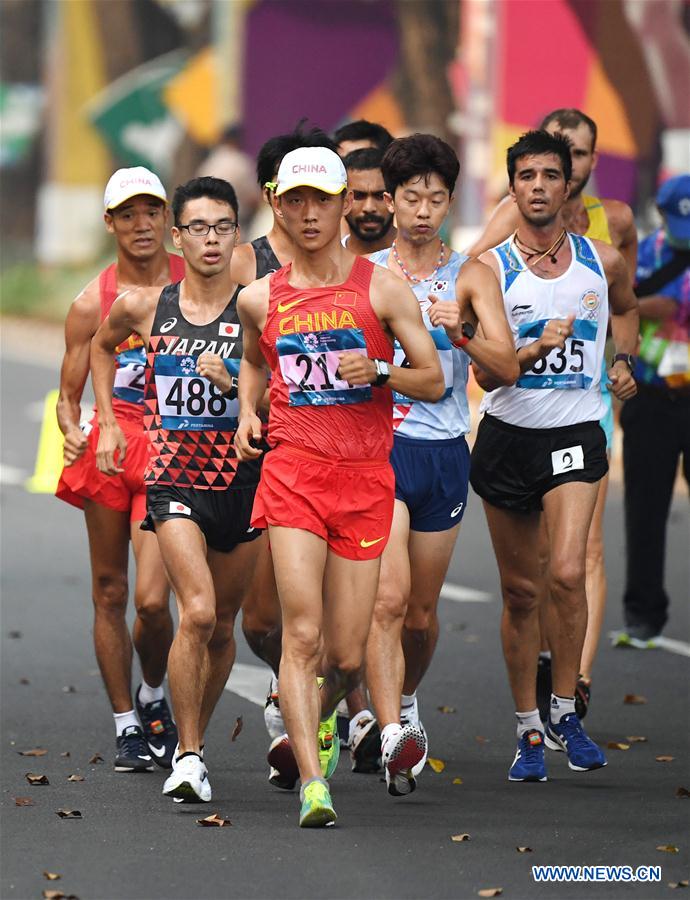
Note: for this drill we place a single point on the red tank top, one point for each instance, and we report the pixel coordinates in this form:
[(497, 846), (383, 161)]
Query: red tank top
[(311, 407), (130, 355)]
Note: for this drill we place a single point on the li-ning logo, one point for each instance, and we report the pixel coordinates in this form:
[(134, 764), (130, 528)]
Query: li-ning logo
[(298, 169), (520, 309)]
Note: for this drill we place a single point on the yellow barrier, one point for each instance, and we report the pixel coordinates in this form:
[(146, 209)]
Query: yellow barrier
[(49, 458)]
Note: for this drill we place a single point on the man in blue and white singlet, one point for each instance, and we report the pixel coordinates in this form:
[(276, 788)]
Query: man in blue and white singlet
[(540, 449), (461, 306)]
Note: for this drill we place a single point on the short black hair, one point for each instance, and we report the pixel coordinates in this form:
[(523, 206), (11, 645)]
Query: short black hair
[(419, 154), (571, 118), (537, 143), (272, 153), (364, 159), (361, 130), (215, 188)]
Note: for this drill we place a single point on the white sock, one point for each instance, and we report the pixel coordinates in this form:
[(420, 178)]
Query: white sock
[(389, 731), (274, 684), (561, 706), (544, 654), (148, 694), (124, 720), (527, 721), (409, 709), (356, 719)]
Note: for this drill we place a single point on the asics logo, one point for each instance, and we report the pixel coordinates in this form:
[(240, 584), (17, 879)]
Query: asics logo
[(286, 305), (456, 511), (167, 325), (363, 543)]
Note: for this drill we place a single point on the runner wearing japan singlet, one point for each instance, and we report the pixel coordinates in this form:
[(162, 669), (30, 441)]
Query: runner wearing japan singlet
[(199, 497), (324, 326), (430, 457), (135, 213)]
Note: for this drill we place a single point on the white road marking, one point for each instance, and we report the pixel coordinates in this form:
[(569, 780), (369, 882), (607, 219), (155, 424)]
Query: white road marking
[(249, 682), (460, 594), (12, 475)]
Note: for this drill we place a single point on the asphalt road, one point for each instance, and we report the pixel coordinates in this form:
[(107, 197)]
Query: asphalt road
[(131, 842)]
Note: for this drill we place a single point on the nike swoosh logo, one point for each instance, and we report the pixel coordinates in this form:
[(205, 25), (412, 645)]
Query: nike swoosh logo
[(147, 758), (366, 544), (159, 753), (284, 307)]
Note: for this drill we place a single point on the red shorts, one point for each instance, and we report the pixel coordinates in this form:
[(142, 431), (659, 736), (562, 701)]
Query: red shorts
[(125, 492), (348, 503)]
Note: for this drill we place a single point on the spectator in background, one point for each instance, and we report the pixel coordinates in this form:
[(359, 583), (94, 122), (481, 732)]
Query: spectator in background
[(228, 161), (360, 135), (656, 423)]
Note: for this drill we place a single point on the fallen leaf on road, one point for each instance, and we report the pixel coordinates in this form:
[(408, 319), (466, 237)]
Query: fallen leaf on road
[(52, 876), (616, 745), (459, 837), (678, 884), (69, 689), (213, 820), (23, 801), (446, 709), (65, 754), (634, 699), (236, 731), (68, 813), (24, 681), (37, 752), (664, 758), (96, 758), (490, 892), (668, 848), (482, 740), (682, 792), (457, 781), (636, 739), (58, 895), (524, 849), (76, 778), (14, 634), (436, 764), (36, 779)]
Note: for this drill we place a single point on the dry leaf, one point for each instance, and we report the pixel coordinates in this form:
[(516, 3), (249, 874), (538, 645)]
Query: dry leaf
[(636, 739), (237, 729), (682, 792), (490, 892), (76, 778), (616, 745), (678, 884), (213, 820), (52, 876), (482, 740), (664, 758), (37, 752), (14, 634), (436, 764), (634, 699), (457, 781), (58, 895), (524, 849), (96, 758), (24, 681), (36, 779), (69, 689), (459, 837), (23, 801), (65, 754), (668, 848), (68, 813), (446, 709)]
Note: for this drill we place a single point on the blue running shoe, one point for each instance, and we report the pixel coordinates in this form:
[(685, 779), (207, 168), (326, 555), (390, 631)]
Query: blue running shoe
[(528, 764), (569, 735)]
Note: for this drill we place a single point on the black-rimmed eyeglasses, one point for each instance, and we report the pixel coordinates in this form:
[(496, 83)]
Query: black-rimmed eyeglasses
[(201, 229)]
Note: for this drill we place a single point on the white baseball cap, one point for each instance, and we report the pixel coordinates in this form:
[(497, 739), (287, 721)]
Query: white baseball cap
[(316, 167), (127, 183)]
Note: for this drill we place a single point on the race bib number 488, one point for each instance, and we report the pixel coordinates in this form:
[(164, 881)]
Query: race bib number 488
[(188, 402)]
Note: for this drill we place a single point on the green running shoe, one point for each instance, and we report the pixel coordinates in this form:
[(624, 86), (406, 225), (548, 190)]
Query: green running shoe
[(329, 745), (317, 807)]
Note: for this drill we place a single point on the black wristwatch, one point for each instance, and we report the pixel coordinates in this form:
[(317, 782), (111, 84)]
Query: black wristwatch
[(627, 358), (467, 330), (382, 373)]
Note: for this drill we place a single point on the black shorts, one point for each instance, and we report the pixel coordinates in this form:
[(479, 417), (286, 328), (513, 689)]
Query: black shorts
[(222, 516), (514, 467)]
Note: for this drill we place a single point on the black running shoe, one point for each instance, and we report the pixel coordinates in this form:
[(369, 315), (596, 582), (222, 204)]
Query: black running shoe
[(365, 747), (583, 691), (544, 687), (159, 729), (132, 753)]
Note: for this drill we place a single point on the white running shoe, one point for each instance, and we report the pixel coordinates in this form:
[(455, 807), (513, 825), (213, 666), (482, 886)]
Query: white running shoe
[(410, 716), (272, 714), (365, 746), (189, 781), (400, 753)]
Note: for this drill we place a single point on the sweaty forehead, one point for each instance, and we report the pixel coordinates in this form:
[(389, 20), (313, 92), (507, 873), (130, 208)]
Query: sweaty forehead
[(366, 180), (425, 185), (539, 161), (207, 208), (580, 137)]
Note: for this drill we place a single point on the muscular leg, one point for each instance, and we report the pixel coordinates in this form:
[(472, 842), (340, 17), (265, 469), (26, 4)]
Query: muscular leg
[(385, 659), (568, 510), (261, 619), (429, 554), (595, 582), (153, 627), (108, 532), (515, 538)]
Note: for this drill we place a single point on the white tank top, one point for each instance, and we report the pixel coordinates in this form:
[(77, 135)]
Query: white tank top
[(450, 416), (563, 388)]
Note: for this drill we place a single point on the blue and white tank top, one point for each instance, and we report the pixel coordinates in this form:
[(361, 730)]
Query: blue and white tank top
[(564, 387), (450, 416)]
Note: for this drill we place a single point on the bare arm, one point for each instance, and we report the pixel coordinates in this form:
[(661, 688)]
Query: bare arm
[(80, 326), (622, 224), (252, 305), (657, 307), (502, 223), (625, 319), (243, 264)]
